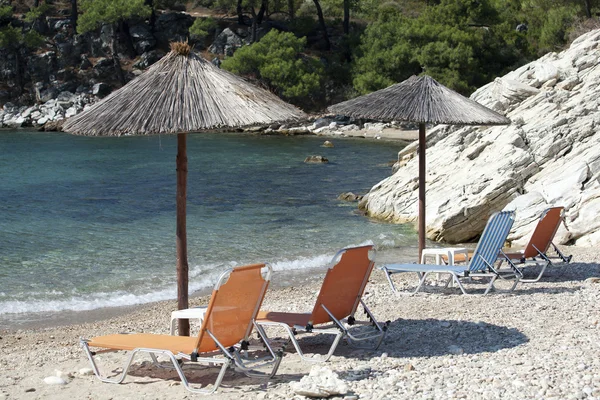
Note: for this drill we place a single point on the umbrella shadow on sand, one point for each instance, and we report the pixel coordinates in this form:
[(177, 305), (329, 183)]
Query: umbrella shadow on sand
[(436, 337), (424, 338)]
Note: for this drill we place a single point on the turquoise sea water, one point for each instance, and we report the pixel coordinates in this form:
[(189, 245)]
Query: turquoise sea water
[(88, 223)]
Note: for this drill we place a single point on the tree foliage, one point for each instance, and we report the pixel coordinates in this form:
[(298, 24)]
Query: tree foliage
[(277, 60), (5, 13), (202, 26), (37, 12), (96, 13), (455, 42), (14, 38)]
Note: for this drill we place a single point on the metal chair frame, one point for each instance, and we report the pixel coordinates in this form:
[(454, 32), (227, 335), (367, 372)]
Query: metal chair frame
[(236, 356), (480, 266), (341, 328)]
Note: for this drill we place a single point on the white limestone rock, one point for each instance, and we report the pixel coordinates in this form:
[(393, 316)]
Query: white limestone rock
[(85, 371), (320, 382), (549, 156), (351, 127), (16, 122), (376, 126), (54, 380)]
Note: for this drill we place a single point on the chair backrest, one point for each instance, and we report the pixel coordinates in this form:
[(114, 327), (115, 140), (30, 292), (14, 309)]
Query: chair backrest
[(233, 306), (492, 239), (344, 283), (544, 231)]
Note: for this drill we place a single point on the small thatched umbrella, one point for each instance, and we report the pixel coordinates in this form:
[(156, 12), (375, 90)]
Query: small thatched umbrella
[(181, 93), (424, 100)]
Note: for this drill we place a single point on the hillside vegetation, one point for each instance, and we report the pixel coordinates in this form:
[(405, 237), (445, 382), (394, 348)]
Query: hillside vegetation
[(310, 52)]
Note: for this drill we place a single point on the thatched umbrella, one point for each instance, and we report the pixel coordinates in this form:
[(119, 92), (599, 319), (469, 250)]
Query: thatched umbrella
[(424, 100), (181, 93)]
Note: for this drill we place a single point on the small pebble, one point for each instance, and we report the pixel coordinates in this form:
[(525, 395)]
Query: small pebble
[(86, 371), (54, 380)]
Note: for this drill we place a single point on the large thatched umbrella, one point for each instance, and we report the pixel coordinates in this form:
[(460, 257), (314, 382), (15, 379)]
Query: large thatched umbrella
[(181, 93), (424, 100)]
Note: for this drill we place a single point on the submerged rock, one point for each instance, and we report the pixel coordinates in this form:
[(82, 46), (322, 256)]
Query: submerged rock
[(349, 196), (316, 160)]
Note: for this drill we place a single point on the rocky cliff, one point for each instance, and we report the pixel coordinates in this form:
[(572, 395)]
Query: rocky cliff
[(549, 155)]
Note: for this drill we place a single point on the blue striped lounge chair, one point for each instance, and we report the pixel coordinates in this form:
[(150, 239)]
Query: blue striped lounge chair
[(481, 264)]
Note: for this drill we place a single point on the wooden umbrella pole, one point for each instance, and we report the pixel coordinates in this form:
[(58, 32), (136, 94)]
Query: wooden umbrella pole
[(422, 147), (182, 260)]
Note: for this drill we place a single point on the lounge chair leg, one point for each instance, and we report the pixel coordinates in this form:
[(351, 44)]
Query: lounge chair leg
[(491, 284), (90, 357), (448, 281), (421, 281), (225, 364), (276, 357), (517, 280), (546, 265), (459, 284), (388, 275), (352, 339)]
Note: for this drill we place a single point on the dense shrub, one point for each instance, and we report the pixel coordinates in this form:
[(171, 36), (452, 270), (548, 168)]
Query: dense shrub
[(277, 60)]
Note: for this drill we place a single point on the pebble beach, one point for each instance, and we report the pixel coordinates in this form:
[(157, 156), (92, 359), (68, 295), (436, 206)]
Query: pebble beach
[(538, 342)]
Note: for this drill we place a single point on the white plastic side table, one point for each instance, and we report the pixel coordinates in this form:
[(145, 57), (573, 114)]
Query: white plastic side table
[(438, 252), (188, 313)]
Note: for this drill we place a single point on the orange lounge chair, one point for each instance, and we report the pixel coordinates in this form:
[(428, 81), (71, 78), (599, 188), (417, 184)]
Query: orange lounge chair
[(538, 245), (336, 305), (540, 242), (228, 322)]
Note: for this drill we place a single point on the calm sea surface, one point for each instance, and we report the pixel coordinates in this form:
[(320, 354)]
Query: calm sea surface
[(88, 223)]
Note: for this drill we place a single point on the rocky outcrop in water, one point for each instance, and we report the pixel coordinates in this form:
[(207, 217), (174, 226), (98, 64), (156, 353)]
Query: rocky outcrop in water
[(548, 156)]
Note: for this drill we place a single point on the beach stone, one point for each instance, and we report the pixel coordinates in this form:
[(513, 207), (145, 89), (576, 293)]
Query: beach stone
[(316, 160), (547, 157), (376, 126), (327, 143), (351, 127), (349, 196), (320, 382), (54, 380), (86, 371)]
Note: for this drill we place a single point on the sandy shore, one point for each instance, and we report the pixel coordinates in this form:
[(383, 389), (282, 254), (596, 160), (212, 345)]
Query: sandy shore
[(540, 342)]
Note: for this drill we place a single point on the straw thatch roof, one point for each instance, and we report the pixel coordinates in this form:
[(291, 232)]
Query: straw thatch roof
[(181, 93), (419, 99)]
